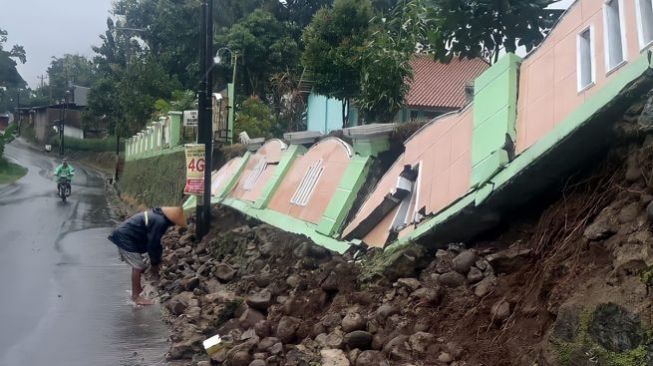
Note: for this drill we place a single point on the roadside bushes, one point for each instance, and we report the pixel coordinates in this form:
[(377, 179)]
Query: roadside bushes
[(156, 181), (7, 137), (95, 145)]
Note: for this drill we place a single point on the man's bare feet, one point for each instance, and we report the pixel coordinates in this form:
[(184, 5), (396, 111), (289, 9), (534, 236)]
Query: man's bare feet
[(143, 301)]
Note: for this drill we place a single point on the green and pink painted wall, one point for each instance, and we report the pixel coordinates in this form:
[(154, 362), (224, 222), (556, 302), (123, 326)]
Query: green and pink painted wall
[(522, 109)]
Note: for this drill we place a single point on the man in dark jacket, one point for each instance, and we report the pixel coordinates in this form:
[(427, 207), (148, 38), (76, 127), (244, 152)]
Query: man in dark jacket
[(142, 234)]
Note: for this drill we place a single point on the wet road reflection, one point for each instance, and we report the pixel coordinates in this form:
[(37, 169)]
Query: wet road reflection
[(64, 299)]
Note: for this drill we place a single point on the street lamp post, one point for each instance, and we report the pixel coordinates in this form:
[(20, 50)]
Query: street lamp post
[(63, 124), (232, 96), (18, 113), (205, 130)]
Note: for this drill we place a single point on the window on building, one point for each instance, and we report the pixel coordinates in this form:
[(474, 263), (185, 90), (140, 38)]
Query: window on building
[(585, 58), (308, 184), (255, 174), (614, 40), (645, 22), (407, 188)]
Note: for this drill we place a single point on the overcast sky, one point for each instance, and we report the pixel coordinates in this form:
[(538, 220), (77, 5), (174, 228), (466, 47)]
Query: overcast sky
[(49, 28)]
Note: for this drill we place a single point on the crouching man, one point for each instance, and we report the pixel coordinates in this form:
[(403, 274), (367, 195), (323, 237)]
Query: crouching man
[(141, 234)]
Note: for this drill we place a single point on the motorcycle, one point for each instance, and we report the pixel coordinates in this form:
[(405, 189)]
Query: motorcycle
[(63, 187)]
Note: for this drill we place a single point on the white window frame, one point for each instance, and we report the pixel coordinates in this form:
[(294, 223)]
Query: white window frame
[(418, 186), (579, 37), (306, 187), (255, 174), (622, 35), (643, 44), (409, 205)]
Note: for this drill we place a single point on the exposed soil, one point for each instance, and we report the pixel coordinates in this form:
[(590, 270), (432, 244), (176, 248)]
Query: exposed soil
[(564, 284)]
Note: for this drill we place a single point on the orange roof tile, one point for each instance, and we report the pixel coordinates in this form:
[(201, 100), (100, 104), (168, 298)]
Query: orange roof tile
[(438, 85)]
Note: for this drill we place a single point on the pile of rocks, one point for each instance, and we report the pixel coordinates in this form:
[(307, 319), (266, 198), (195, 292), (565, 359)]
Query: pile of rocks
[(280, 300)]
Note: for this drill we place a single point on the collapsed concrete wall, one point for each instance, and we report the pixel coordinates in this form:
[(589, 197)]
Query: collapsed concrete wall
[(530, 121)]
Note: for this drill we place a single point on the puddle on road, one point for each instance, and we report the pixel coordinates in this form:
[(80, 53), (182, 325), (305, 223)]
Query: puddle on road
[(91, 319)]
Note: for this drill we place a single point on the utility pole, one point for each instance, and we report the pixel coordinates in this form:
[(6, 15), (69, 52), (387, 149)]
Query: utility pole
[(18, 113), (232, 102), (63, 124), (205, 128), (41, 78)]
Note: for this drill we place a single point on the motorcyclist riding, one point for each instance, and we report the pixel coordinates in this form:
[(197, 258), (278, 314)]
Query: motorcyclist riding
[(64, 173)]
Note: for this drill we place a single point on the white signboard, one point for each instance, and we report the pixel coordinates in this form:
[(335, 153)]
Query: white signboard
[(190, 118)]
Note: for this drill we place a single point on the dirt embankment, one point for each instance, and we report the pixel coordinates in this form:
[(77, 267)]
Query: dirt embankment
[(563, 284)]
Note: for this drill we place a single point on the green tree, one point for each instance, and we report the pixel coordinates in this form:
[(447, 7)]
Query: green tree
[(334, 41), (10, 80), (104, 107), (68, 70), (358, 57), (170, 31), (144, 82), (265, 47), (334, 44), (255, 118), (482, 28), (298, 13)]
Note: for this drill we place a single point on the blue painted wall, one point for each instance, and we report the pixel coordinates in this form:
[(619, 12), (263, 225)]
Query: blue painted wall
[(323, 114)]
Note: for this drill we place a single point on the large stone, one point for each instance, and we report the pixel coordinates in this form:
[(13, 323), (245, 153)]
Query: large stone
[(287, 328), (509, 260), (464, 261), (485, 286), (266, 343), (224, 272), (443, 261), (220, 296), (629, 213), (358, 339), (240, 358), (250, 317), (263, 279), (260, 301), (598, 230), (427, 295), (649, 211), (474, 275), (180, 302), (257, 363), (294, 281), (334, 339), (263, 329), (404, 262), (420, 341), (352, 322), (190, 283), (645, 119), (371, 358), (411, 283), (397, 348), (616, 329), (301, 356), (452, 279), (276, 348), (567, 323), (331, 320), (311, 250), (331, 283), (185, 348), (334, 357), (445, 357), (385, 311), (500, 311)]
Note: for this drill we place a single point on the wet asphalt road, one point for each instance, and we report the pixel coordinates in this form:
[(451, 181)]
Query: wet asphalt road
[(64, 294)]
